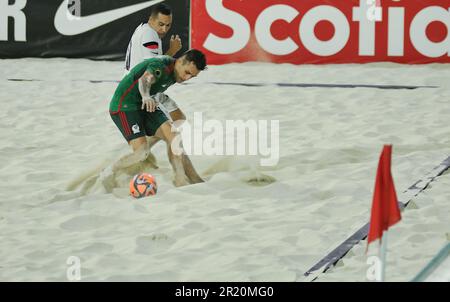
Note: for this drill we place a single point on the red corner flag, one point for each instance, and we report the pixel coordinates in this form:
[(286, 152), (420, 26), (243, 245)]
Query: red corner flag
[(385, 211)]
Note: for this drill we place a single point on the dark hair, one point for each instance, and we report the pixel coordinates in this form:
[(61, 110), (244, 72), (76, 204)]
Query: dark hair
[(196, 56), (160, 8)]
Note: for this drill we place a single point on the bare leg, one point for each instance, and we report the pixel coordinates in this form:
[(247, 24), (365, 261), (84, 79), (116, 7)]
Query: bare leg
[(165, 132), (151, 159), (177, 165), (178, 117), (190, 171), (140, 153), (152, 140)]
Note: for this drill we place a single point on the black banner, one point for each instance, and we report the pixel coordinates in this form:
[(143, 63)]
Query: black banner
[(95, 29)]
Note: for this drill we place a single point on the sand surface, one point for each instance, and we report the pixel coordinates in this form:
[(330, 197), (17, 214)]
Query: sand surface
[(56, 132)]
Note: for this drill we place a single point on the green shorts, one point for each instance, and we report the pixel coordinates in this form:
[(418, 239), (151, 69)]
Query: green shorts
[(134, 124)]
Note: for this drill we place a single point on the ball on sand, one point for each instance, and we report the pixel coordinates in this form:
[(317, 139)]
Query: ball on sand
[(143, 185)]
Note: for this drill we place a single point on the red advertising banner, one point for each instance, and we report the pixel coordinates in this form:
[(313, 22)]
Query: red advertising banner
[(322, 31)]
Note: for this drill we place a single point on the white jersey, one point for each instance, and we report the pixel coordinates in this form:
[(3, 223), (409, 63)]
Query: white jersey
[(144, 44)]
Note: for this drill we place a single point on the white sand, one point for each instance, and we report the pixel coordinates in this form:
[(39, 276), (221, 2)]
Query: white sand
[(440, 272), (54, 130)]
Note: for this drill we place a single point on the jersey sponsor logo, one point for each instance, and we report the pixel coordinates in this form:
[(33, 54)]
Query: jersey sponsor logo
[(70, 25), (135, 129), (313, 32)]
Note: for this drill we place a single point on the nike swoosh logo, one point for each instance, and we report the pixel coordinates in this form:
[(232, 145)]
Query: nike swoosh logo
[(69, 25)]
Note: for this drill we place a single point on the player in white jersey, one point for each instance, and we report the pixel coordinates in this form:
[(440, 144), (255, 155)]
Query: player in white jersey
[(146, 43)]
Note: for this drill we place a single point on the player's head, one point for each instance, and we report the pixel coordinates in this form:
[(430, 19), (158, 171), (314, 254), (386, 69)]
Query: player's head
[(189, 65), (161, 19)]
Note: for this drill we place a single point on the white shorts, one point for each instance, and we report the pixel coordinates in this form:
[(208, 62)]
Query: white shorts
[(166, 104)]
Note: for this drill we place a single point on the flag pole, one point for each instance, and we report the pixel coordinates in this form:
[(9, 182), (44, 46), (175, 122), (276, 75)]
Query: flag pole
[(385, 211), (383, 255)]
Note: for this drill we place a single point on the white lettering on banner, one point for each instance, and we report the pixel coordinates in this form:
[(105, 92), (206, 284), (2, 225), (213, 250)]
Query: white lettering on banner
[(366, 28), (367, 14), (418, 32), (20, 20), (341, 27), (240, 26), (264, 23), (374, 12), (396, 36)]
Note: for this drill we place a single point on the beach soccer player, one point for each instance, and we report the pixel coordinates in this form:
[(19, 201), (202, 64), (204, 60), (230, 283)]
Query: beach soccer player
[(146, 43), (135, 112)]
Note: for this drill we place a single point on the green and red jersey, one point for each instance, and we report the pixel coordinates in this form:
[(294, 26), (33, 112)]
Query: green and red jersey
[(127, 96)]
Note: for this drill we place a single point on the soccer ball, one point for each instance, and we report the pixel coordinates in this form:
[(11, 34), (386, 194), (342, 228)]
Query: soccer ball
[(143, 185)]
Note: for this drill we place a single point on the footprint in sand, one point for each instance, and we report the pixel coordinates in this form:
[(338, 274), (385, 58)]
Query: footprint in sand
[(259, 180), (152, 243)]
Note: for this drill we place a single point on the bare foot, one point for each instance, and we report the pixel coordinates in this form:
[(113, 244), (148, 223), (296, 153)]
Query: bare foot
[(196, 180), (151, 159), (180, 181)]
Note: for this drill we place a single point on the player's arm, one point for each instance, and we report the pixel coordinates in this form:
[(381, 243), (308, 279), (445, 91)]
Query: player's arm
[(145, 83), (149, 50), (149, 46), (175, 46)]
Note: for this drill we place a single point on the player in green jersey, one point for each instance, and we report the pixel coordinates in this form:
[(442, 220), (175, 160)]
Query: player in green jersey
[(137, 115)]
